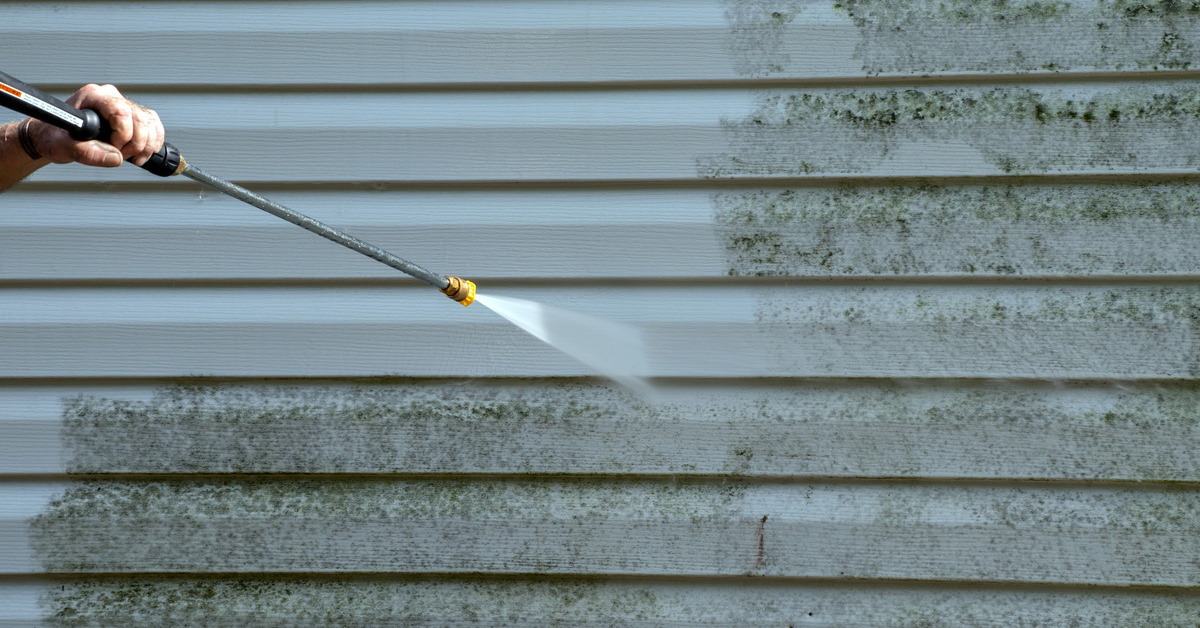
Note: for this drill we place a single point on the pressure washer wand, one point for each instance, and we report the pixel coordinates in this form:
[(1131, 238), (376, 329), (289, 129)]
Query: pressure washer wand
[(86, 124), (460, 290)]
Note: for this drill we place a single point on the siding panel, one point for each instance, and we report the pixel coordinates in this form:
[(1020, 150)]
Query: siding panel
[(949, 429), (286, 43), (685, 134), (1084, 535), (1025, 331), (591, 602), (999, 230), (917, 283)]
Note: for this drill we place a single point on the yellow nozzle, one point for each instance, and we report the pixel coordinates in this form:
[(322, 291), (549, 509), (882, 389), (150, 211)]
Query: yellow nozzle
[(460, 290)]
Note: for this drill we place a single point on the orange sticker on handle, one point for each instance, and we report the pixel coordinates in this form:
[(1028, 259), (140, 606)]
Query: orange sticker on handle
[(11, 90)]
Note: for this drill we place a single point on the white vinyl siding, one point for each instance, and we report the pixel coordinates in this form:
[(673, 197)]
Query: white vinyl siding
[(918, 283)]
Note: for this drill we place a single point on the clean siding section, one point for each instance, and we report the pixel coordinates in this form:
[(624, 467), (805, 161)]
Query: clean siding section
[(481, 42), (920, 289), (905, 331)]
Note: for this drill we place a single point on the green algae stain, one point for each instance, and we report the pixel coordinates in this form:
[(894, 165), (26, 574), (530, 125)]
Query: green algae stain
[(359, 525), (935, 36), (869, 12), (757, 29), (290, 602), (366, 499), (1042, 332), (591, 602), (371, 429), (972, 230), (1145, 307), (1014, 129), (1136, 9)]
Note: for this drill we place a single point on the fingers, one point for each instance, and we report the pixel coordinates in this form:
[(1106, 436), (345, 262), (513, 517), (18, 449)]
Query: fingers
[(96, 153), (137, 132), (148, 135), (56, 145)]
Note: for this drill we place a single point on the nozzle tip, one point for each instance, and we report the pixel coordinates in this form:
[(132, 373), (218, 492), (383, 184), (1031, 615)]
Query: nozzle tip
[(460, 290)]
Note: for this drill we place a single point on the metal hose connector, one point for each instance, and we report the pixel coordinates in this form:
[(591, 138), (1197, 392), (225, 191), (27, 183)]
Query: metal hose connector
[(460, 290)]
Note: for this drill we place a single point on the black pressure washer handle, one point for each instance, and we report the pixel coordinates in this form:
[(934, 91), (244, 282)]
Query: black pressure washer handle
[(83, 124)]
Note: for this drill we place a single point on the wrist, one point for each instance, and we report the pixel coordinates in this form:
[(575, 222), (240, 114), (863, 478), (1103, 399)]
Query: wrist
[(25, 139), (15, 163), (23, 143)]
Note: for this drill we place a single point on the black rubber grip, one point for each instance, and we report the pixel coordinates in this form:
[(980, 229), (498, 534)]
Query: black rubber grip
[(81, 125)]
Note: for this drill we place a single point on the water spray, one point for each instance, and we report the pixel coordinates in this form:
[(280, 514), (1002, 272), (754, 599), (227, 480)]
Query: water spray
[(86, 124), (615, 350)]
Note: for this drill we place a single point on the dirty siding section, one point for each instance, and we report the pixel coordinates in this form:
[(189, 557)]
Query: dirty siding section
[(918, 279)]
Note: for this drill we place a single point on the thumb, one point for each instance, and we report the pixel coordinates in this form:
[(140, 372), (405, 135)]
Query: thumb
[(97, 153)]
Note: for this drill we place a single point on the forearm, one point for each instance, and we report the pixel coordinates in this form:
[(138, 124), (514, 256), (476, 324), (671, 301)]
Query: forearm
[(15, 163)]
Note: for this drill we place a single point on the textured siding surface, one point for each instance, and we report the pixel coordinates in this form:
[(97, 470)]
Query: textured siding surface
[(918, 283)]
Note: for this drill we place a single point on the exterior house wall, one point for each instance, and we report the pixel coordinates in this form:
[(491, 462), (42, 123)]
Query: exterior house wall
[(918, 283)]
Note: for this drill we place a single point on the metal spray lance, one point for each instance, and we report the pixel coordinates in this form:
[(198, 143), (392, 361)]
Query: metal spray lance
[(86, 124)]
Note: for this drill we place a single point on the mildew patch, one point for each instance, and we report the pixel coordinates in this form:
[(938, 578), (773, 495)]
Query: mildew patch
[(1135, 305), (858, 530), (1142, 306), (286, 602), (1013, 129), (1170, 511), (591, 602), (756, 34), (362, 525), (986, 230), (1140, 8), (384, 499), (948, 36), (322, 429), (930, 431), (978, 331)]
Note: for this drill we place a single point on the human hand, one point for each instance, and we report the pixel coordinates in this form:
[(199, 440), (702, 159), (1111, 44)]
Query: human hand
[(137, 132)]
